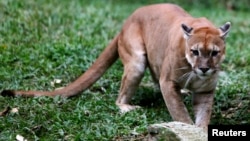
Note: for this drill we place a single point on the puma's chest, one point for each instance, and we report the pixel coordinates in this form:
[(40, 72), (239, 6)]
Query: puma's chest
[(197, 84)]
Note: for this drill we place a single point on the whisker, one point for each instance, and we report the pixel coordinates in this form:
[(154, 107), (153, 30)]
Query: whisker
[(184, 76), (188, 79), (183, 68)]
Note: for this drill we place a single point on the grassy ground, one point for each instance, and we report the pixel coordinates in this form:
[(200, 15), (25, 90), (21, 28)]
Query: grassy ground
[(42, 40)]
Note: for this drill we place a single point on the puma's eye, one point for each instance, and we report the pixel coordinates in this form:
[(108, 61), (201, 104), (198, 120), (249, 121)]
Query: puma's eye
[(214, 53), (195, 52)]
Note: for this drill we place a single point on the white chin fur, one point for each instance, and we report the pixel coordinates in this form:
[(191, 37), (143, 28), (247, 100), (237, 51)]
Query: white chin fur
[(202, 75)]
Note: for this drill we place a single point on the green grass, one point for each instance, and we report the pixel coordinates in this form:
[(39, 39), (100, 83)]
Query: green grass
[(42, 40)]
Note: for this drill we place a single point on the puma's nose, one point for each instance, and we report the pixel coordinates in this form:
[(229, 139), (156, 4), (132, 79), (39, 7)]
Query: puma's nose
[(204, 70)]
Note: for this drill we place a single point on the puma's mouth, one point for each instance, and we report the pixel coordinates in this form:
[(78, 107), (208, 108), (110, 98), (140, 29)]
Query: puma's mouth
[(204, 73)]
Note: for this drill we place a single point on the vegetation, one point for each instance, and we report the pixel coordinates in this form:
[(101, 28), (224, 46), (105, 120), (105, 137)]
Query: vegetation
[(43, 41)]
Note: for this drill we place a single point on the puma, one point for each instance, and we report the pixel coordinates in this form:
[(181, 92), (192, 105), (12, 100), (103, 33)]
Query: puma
[(181, 52)]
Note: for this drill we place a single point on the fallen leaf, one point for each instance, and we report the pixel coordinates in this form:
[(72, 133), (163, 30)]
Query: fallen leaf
[(14, 110), (20, 138), (55, 81)]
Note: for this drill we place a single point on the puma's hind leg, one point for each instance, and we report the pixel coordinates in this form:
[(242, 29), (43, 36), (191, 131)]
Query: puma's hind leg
[(133, 57), (130, 81)]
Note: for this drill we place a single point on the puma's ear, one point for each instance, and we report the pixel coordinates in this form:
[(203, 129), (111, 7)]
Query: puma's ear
[(224, 29), (187, 31)]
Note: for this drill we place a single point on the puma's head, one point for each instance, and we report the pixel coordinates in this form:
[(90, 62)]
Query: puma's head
[(205, 48)]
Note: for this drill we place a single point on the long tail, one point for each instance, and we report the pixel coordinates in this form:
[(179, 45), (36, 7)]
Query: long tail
[(87, 79)]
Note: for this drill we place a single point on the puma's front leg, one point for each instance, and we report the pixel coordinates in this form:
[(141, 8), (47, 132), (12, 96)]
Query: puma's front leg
[(174, 102), (203, 103)]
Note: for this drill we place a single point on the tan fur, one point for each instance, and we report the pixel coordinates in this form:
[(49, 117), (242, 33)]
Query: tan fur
[(181, 52)]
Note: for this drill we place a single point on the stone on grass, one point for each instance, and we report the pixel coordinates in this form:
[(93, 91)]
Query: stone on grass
[(175, 131)]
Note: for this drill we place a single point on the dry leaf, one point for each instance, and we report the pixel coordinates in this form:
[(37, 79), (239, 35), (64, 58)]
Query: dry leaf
[(14, 110), (55, 81), (20, 138)]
